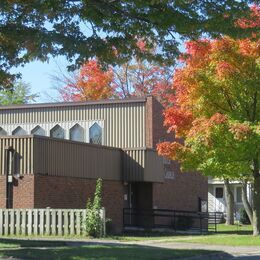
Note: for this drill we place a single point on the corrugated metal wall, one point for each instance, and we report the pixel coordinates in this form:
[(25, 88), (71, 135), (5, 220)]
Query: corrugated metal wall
[(143, 165), (134, 164), (67, 158), (23, 156), (124, 123), (154, 168), (56, 157)]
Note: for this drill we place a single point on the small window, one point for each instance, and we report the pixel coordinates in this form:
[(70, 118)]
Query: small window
[(19, 131), (2, 131), (57, 132), (38, 131), (239, 194), (219, 193), (95, 134), (77, 133)]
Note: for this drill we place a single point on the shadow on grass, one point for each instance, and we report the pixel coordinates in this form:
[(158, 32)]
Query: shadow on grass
[(101, 251), (16, 243)]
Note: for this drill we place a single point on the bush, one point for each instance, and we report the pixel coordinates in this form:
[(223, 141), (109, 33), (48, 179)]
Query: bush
[(244, 219), (94, 223)]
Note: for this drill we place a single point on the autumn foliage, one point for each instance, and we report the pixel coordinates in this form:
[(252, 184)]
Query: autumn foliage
[(134, 79), (91, 83), (219, 81)]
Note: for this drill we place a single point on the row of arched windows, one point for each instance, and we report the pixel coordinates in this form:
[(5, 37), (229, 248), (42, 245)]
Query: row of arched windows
[(76, 133)]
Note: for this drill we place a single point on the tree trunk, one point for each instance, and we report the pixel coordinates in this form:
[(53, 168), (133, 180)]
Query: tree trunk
[(230, 203), (246, 203), (256, 198)]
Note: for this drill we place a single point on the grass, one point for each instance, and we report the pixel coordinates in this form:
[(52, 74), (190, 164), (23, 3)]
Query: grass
[(54, 249), (40, 250), (226, 235), (235, 235), (224, 239)]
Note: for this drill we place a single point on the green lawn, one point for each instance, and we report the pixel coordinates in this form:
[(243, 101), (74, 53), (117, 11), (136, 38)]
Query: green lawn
[(41, 250), (226, 235), (26, 249)]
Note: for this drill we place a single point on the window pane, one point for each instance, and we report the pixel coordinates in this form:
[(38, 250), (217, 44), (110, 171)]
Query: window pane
[(19, 131), (38, 131), (77, 133), (95, 134), (239, 194), (57, 132), (219, 193), (2, 131)]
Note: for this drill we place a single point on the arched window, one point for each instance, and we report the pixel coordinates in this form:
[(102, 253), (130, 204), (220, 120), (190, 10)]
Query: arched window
[(19, 131), (77, 133), (38, 131), (2, 131), (57, 132), (95, 134)]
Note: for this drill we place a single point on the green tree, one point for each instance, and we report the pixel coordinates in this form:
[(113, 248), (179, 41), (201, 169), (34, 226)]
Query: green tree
[(217, 112), (81, 29), (20, 94)]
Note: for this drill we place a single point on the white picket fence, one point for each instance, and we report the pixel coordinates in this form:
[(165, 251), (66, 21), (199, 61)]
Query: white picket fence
[(39, 222)]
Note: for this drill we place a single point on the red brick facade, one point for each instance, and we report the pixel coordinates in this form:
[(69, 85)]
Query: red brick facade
[(23, 192), (64, 192), (182, 192)]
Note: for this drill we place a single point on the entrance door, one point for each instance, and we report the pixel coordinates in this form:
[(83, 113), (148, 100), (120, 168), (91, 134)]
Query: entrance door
[(141, 202), (219, 199)]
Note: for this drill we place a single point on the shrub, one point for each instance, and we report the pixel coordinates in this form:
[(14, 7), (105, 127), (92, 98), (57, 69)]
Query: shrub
[(244, 219), (94, 223)]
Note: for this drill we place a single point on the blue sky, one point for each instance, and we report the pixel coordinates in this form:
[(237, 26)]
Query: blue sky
[(38, 75)]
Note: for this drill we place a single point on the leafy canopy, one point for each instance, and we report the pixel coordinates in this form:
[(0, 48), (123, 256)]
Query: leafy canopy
[(132, 79), (20, 94), (216, 108), (81, 29)]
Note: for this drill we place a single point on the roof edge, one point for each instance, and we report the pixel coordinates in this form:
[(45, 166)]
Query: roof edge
[(72, 104)]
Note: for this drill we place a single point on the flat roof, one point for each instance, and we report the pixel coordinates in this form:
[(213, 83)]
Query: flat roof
[(71, 104)]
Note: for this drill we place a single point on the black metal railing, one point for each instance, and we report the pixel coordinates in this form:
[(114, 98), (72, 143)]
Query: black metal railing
[(177, 220)]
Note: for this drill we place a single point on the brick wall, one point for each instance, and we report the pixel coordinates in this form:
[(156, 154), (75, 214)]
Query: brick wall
[(183, 191), (155, 131), (63, 192), (66, 192), (23, 192)]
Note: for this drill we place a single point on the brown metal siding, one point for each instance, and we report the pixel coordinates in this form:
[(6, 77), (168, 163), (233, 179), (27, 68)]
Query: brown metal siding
[(66, 158), (134, 163), (24, 157), (143, 165), (124, 123), (54, 157), (154, 169)]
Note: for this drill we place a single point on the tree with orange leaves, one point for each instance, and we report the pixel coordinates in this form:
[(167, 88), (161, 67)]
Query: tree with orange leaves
[(217, 112), (91, 83)]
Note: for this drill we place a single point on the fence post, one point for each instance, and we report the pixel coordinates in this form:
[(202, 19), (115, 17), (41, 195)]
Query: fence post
[(200, 223), (1, 222), (103, 217), (215, 222)]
